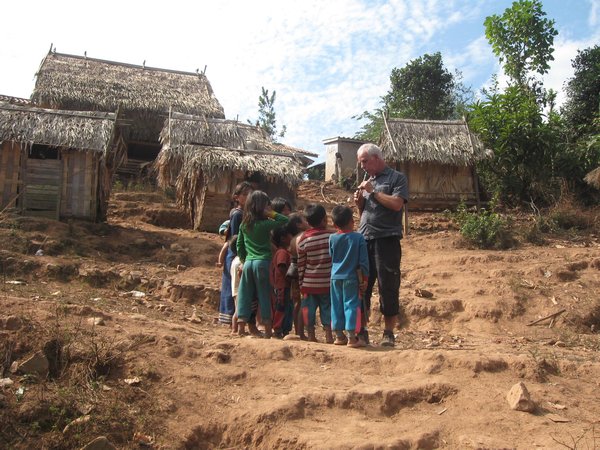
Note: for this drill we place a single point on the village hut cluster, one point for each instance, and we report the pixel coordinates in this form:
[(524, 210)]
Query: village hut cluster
[(89, 120)]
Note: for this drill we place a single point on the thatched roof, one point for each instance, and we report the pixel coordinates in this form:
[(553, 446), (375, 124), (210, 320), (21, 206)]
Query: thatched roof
[(89, 84), (422, 141), (593, 178), (77, 130), (14, 100), (194, 145), (189, 129)]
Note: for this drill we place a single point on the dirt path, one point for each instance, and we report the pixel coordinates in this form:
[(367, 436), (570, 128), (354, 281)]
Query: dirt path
[(117, 297)]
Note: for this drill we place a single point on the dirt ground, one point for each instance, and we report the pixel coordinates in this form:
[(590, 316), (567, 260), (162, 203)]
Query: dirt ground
[(122, 314)]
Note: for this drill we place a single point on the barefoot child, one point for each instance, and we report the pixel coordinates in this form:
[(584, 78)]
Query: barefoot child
[(314, 271), (281, 301), (254, 250), (236, 269), (349, 269), (226, 304), (297, 225)]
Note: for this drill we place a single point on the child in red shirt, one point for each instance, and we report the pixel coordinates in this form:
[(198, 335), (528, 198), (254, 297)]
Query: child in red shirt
[(281, 301)]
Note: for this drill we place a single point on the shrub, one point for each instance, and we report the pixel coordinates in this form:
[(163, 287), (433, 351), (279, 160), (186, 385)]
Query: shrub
[(483, 228)]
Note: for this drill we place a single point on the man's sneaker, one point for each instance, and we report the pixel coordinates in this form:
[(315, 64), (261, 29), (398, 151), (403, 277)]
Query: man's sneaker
[(388, 339)]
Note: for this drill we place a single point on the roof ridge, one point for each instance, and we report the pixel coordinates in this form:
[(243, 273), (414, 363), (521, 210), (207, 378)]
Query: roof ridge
[(123, 64)]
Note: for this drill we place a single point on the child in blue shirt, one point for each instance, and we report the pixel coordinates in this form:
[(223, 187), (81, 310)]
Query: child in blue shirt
[(349, 270)]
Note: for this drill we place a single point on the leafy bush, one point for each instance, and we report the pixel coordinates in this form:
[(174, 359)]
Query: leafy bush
[(483, 228)]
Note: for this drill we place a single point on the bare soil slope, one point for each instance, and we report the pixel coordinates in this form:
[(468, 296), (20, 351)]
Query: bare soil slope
[(122, 314)]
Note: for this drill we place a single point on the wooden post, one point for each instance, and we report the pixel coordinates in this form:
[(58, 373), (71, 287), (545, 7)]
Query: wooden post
[(473, 175), (405, 207)]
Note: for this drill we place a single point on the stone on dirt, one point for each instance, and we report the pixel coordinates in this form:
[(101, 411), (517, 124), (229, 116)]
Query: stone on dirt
[(100, 443), (13, 323), (37, 364), (519, 399)]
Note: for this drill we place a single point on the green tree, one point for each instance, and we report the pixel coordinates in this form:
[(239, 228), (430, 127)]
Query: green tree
[(372, 128), (529, 159), (511, 123), (581, 113), (583, 93), (522, 39), (266, 115), (423, 89)]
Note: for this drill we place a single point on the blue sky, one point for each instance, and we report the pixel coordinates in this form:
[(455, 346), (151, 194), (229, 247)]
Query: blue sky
[(327, 60)]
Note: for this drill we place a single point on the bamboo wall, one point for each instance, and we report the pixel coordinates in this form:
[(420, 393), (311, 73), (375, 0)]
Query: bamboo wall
[(53, 188), (438, 186), (79, 195), (213, 202), (10, 159)]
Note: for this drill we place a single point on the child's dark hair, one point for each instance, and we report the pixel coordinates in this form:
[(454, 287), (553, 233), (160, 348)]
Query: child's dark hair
[(314, 214), (239, 189), (255, 208), (295, 219), (279, 203), (278, 234), (341, 216)]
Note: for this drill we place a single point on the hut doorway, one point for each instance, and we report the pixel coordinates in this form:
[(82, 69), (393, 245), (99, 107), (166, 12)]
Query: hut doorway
[(137, 168), (42, 180)]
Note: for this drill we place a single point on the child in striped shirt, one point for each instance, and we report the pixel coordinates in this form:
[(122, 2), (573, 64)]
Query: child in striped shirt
[(314, 271)]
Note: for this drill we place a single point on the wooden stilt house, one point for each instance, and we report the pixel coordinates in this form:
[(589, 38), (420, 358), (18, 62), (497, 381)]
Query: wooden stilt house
[(205, 158), (143, 94), (438, 157), (57, 163)]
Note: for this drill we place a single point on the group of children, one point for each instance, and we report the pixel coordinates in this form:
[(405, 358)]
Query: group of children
[(280, 266)]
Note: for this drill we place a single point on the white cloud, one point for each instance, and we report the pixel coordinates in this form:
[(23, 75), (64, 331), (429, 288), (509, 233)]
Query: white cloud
[(594, 13), (327, 60), (470, 60)]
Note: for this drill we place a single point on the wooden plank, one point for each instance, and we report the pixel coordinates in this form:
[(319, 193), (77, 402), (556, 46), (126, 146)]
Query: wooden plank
[(94, 193), (23, 172), (4, 155), (42, 187), (76, 179), (59, 188), (42, 195), (87, 181), (11, 168), (44, 164), (64, 199), (35, 204), (43, 213)]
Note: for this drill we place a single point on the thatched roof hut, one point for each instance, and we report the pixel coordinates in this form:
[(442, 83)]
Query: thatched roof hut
[(57, 163), (143, 94), (204, 158), (593, 178), (447, 142), (438, 158)]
